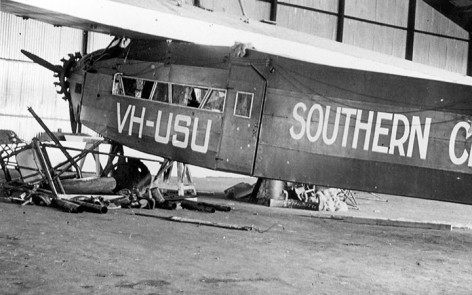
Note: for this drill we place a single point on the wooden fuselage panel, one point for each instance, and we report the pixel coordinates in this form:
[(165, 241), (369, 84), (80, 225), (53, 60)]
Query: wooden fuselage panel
[(366, 131), (179, 132), (306, 123)]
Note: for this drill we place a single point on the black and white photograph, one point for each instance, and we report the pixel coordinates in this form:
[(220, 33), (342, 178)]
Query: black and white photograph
[(236, 147)]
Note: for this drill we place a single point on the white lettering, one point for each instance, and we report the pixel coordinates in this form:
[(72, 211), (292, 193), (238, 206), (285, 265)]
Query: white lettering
[(200, 148), (157, 137), (452, 140), (348, 112), (363, 126), (392, 133), (122, 122), (176, 129), (309, 121), (326, 140), (139, 120), (299, 118), (182, 129), (379, 130), (394, 142), (422, 136)]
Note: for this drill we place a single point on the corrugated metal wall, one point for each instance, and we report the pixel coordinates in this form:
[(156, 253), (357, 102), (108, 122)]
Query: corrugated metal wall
[(23, 83)]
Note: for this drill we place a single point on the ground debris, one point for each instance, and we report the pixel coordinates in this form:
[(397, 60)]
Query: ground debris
[(204, 207), (239, 191), (27, 176), (276, 193), (210, 223)]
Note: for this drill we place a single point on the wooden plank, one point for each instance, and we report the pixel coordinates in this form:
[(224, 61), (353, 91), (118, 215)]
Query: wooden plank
[(439, 52), (393, 12), (89, 185), (311, 22), (389, 222), (327, 5), (375, 37)]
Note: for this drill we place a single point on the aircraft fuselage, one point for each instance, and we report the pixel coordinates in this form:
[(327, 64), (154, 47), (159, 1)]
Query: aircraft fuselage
[(274, 117)]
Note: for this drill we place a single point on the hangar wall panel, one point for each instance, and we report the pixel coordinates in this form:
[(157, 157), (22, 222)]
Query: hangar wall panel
[(326, 5), (390, 39), (302, 15), (24, 83), (44, 40), (443, 53), (392, 12), (378, 38), (449, 54), (97, 41)]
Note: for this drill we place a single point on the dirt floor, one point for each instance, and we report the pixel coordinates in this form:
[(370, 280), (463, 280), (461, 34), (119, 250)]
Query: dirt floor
[(46, 251)]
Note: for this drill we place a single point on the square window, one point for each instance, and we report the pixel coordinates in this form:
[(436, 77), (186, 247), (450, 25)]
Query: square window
[(161, 93), (215, 100), (243, 105), (132, 87)]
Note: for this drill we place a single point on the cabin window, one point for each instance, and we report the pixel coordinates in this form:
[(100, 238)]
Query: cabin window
[(243, 106), (132, 87), (162, 92), (198, 97), (214, 100), (185, 95), (181, 94)]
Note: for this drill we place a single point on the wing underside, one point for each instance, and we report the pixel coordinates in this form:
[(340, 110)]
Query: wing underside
[(168, 20)]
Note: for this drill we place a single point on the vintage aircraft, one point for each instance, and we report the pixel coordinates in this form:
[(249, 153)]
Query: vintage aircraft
[(287, 106)]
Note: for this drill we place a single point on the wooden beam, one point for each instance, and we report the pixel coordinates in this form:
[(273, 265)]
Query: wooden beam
[(469, 56), (390, 222), (84, 42), (273, 10), (340, 26), (410, 31)]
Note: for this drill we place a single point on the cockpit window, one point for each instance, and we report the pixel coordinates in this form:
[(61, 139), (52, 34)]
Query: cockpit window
[(184, 95), (243, 106), (132, 87)]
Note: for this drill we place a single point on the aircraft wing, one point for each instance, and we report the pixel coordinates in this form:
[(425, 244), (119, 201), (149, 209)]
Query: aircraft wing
[(167, 19)]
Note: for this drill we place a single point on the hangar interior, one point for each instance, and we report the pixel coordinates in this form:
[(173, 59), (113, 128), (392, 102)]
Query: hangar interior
[(424, 31)]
